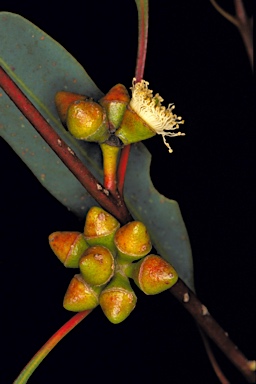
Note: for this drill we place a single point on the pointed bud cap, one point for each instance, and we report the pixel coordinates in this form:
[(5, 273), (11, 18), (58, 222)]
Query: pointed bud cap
[(115, 102), (118, 299), (97, 265), (100, 228), (132, 241), (80, 296), (86, 120), (68, 247), (153, 275), (63, 100)]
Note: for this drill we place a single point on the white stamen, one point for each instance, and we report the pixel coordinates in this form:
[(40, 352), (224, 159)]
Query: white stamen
[(150, 109)]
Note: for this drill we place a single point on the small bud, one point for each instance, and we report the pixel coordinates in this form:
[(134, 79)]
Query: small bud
[(118, 299), (68, 247), (86, 120), (97, 265), (153, 275), (115, 102), (100, 228), (80, 296), (132, 241), (63, 100)]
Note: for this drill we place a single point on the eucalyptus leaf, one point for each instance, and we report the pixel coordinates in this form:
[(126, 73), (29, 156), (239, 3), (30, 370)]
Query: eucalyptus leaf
[(41, 67), (161, 216)]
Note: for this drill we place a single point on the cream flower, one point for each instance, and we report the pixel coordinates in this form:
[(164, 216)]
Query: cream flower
[(149, 108)]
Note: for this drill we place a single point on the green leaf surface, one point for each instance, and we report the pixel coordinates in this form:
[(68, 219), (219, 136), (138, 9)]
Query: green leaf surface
[(41, 67), (161, 216)]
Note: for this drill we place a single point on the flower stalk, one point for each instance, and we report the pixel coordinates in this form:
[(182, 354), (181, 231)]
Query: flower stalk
[(49, 345), (110, 162), (142, 7)]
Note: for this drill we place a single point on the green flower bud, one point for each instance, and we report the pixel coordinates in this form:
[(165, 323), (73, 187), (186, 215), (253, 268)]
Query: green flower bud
[(97, 265), (132, 241), (80, 296), (153, 274), (115, 102), (100, 228), (68, 247), (86, 120), (118, 299)]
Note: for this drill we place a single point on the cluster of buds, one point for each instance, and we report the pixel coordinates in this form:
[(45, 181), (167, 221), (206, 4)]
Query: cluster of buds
[(129, 120), (107, 256)]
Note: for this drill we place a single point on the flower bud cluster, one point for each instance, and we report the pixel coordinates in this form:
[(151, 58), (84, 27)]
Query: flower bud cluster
[(129, 120), (107, 256)]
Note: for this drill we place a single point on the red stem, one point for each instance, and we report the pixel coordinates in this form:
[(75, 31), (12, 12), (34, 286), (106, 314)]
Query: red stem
[(49, 345), (65, 153), (212, 329), (245, 28), (123, 163), (142, 6)]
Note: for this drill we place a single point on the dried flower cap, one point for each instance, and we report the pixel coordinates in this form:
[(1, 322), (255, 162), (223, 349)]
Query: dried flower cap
[(149, 108)]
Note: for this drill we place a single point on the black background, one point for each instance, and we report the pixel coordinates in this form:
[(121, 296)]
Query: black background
[(196, 59)]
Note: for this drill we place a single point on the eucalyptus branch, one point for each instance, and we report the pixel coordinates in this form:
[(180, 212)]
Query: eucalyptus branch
[(185, 296), (242, 22), (213, 330), (65, 153)]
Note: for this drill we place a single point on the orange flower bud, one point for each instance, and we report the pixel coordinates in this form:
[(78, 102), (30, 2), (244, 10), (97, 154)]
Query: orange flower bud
[(80, 296), (118, 299), (132, 241), (153, 275), (63, 100), (68, 247), (100, 228), (87, 120)]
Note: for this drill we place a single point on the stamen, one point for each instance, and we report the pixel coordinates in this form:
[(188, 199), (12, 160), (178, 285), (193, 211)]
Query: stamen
[(150, 109)]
